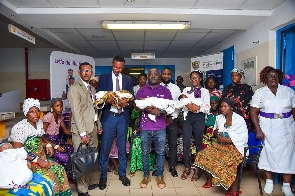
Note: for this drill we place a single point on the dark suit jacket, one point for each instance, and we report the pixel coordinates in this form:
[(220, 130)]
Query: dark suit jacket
[(106, 84)]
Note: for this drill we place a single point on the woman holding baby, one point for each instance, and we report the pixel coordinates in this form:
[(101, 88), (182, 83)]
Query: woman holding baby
[(194, 119)]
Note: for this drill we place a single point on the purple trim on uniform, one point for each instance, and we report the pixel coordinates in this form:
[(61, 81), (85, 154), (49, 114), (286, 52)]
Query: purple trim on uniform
[(161, 92), (275, 116)]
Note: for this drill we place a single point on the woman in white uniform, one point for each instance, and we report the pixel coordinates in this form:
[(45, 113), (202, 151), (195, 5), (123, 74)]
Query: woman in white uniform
[(272, 112)]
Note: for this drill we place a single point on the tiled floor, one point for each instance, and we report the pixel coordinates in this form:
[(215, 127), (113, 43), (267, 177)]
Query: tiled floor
[(174, 185)]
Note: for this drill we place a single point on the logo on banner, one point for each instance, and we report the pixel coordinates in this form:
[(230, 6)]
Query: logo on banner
[(195, 65)]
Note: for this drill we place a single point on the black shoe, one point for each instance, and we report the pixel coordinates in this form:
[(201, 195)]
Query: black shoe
[(93, 186), (102, 183), (154, 173), (125, 180), (83, 194), (173, 172)]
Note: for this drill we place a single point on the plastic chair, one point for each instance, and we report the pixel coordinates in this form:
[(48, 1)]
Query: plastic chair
[(254, 148)]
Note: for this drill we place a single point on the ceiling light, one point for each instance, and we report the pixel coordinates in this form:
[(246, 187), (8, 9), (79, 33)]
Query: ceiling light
[(134, 73), (145, 24)]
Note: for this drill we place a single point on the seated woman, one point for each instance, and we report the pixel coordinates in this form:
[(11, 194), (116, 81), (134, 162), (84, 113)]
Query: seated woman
[(52, 121), (222, 158), (29, 133), (17, 178), (208, 137)]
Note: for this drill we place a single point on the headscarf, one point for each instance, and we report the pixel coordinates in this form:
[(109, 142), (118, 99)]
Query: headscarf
[(214, 98), (231, 102), (94, 78), (239, 71), (53, 100), (29, 103)]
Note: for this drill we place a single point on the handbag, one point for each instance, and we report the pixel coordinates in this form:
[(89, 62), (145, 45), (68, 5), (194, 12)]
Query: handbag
[(84, 161)]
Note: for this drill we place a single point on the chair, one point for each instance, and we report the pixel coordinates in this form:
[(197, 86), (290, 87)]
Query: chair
[(254, 148)]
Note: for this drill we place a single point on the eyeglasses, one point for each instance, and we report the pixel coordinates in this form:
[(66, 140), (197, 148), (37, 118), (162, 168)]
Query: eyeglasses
[(270, 76), (86, 71), (195, 78)]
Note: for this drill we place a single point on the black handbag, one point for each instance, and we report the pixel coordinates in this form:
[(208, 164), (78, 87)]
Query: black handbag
[(84, 161)]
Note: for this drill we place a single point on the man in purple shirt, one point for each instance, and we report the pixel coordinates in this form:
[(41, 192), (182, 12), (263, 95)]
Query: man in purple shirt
[(153, 131)]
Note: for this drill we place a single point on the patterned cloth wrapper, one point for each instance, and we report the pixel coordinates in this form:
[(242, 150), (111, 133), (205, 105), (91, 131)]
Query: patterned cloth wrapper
[(40, 185), (221, 160), (62, 158), (56, 172)]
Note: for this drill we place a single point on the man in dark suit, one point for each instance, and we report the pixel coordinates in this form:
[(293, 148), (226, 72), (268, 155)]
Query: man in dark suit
[(114, 121)]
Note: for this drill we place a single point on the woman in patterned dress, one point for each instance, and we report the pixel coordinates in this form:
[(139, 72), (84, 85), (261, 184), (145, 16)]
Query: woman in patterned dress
[(222, 158), (29, 133), (52, 121), (241, 93)]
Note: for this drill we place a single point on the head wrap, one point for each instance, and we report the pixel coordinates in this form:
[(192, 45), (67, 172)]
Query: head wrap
[(214, 98), (94, 78), (29, 103), (53, 100), (231, 102), (239, 71)]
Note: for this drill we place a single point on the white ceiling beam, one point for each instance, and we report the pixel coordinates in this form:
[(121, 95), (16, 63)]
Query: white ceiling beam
[(52, 11)]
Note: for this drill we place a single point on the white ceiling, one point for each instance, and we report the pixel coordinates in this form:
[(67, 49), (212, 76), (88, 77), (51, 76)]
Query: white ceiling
[(75, 25)]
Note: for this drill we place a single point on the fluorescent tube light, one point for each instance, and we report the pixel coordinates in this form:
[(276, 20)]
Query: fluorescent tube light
[(145, 24), (134, 73)]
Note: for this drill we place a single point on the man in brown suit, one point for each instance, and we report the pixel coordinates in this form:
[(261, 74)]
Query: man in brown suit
[(81, 98)]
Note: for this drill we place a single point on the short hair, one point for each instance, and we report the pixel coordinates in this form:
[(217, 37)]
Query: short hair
[(179, 77), (119, 58), (85, 63), (263, 74), (167, 69), (142, 74), (215, 80), (70, 70)]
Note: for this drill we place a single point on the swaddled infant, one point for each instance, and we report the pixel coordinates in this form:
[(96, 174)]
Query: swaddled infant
[(13, 167)]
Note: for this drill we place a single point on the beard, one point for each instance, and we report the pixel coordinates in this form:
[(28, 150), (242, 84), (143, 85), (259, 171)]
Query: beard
[(166, 82)]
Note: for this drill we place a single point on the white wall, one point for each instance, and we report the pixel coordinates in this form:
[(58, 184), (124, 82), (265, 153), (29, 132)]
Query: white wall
[(265, 33)]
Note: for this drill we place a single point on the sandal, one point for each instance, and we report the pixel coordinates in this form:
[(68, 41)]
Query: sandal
[(196, 175), (293, 189), (207, 185), (185, 174), (232, 193), (111, 168)]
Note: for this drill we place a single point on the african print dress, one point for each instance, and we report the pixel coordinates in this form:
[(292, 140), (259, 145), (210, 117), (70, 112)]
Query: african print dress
[(220, 159), (23, 132), (242, 94), (52, 134)]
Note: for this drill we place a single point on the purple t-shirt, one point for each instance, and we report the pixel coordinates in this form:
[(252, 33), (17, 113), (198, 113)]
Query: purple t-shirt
[(161, 92)]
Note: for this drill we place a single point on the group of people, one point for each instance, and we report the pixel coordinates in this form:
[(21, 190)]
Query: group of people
[(218, 122)]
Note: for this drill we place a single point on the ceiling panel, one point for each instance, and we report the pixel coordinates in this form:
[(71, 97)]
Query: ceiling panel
[(103, 44), (216, 36), (30, 3), (96, 34), (130, 45), (261, 4), (180, 44), (129, 35), (150, 35), (219, 4), (156, 44), (189, 36)]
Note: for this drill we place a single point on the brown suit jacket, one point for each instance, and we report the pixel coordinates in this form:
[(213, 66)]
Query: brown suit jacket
[(82, 108)]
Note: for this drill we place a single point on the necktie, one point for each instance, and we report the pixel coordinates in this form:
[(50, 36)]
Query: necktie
[(89, 91), (117, 83), (118, 88)]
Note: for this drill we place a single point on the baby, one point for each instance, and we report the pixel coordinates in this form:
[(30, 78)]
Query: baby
[(13, 167)]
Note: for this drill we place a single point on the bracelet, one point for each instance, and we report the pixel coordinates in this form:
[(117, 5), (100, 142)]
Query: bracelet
[(35, 160), (33, 157), (56, 147), (48, 145)]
